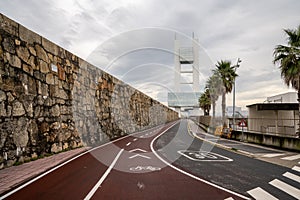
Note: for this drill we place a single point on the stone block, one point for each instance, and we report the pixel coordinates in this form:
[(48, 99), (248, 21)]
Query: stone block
[(13, 60), (23, 53), (9, 25), (20, 134), (29, 36), (28, 69), (41, 53), (2, 96), (9, 45), (50, 46), (55, 148), (2, 109), (55, 111), (32, 51), (50, 79), (33, 132), (44, 127), (18, 109), (44, 68)]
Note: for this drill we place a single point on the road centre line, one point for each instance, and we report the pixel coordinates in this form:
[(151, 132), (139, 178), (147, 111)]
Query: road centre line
[(129, 143), (135, 139), (188, 174), (98, 184)]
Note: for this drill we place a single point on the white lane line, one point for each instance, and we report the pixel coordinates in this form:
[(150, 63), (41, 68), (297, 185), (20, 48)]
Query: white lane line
[(61, 165), (295, 157), (292, 176), (188, 174), (129, 143), (286, 188), (296, 169), (230, 198), (98, 184), (135, 139), (260, 194), (271, 155)]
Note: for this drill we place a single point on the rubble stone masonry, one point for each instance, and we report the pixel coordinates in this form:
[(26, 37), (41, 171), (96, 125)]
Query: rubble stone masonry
[(51, 100)]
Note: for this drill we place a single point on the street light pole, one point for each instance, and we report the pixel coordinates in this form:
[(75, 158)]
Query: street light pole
[(233, 102)]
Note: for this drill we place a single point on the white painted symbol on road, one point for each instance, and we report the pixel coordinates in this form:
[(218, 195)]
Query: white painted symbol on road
[(139, 155), (141, 150), (204, 156), (145, 168)]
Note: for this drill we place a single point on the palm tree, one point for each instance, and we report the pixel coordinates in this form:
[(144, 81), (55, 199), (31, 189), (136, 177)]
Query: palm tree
[(288, 58), (227, 74), (213, 85), (205, 102)]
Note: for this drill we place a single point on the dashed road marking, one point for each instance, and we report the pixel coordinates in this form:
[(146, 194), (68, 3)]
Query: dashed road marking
[(230, 198), (296, 169), (260, 194), (98, 184), (286, 188), (129, 143), (135, 139), (295, 157), (271, 155), (292, 176)]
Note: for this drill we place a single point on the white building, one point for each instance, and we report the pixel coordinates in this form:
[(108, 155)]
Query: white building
[(289, 97), (278, 114)]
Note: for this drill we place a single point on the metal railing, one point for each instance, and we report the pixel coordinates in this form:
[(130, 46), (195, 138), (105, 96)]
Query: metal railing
[(268, 125)]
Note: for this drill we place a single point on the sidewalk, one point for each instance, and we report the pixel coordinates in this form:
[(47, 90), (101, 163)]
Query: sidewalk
[(267, 154), (16, 175)]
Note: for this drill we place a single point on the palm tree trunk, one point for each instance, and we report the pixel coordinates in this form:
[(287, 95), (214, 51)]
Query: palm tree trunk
[(214, 113), (223, 108), (298, 131)]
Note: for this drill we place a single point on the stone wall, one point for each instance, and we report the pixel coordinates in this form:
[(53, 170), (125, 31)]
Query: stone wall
[(51, 100)]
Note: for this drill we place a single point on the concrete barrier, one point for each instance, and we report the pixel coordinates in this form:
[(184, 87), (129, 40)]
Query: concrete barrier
[(272, 140)]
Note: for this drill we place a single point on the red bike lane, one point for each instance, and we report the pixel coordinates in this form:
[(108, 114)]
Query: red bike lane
[(139, 174), (124, 169)]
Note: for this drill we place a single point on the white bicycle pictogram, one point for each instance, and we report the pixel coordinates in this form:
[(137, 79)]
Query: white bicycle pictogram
[(144, 168)]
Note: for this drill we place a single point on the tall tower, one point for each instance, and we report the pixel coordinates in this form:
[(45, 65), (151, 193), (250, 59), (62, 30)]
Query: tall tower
[(186, 61)]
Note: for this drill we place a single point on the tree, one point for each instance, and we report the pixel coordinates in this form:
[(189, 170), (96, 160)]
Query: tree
[(214, 86), (205, 102), (227, 74), (288, 58)]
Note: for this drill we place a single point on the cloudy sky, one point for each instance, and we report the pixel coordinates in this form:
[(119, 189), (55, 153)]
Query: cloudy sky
[(133, 39)]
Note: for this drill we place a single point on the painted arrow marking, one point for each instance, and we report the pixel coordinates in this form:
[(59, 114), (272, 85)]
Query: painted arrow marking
[(142, 150), (136, 155)]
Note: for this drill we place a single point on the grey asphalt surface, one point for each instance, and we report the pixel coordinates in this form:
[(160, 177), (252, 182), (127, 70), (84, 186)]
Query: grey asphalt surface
[(240, 175)]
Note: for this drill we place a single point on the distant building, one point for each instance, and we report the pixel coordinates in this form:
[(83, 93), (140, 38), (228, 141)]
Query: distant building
[(278, 115), (289, 97), (239, 113)]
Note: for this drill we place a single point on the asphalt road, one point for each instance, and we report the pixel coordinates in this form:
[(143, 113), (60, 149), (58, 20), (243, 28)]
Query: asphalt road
[(166, 162), (227, 168)]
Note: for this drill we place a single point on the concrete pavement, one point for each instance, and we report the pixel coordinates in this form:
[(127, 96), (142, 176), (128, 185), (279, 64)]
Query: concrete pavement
[(275, 156)]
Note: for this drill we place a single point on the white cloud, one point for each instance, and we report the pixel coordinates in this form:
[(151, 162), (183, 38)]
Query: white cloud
[(226, 30)]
